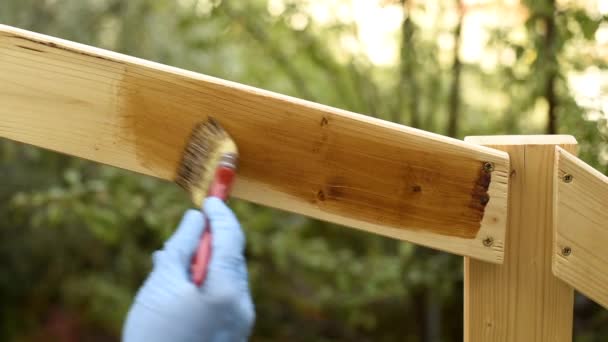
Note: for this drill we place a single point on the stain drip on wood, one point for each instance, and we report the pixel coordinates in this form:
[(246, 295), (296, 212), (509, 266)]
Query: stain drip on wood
[(480, 196)]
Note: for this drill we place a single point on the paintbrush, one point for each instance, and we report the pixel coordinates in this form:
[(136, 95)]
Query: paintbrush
[(207, 168)]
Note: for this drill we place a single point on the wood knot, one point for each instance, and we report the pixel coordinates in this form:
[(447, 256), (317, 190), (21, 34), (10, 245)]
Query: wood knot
[(324, 122), (416, 188), (321, 195)]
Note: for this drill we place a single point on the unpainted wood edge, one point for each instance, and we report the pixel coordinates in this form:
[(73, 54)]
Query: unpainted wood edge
[(466, 305), (554, 262), (494, 222), (557, 139), (574, 159), (560, 154), (558, 265), (497, 208)]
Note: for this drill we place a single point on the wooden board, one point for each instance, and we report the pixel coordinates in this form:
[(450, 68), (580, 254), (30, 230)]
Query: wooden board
[(521, 300), (296, 155), (580, 256)]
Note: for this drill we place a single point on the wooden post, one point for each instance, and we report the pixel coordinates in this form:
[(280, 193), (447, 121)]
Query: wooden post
[(521, 300)]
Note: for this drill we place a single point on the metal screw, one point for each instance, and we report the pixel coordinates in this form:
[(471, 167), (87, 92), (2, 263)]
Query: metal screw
[(488, 242), (568, 178), (566, 251), (488, 167)]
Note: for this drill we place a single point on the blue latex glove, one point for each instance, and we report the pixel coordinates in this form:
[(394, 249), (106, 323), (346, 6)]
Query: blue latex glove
[(169, 306)]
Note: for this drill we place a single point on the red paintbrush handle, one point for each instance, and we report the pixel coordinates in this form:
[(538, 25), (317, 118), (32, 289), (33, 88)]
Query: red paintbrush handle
[(220, 187), (222, 182), (201, 257)]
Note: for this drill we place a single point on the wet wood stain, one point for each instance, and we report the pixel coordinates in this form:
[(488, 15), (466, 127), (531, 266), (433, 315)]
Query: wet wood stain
[(338, 164)]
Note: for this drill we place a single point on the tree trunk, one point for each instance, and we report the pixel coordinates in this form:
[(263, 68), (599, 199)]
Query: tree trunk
[(433, 311), (407, 88), (551, 68), (454, 102), (420, 308)]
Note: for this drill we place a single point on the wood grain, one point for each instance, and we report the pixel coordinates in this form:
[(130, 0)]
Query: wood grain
[(581, 226), (521, 300), (296, 155)]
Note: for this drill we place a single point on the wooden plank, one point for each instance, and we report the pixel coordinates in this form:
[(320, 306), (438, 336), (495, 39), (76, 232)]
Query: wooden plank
[(580, 256), (296, 155), (521, 300)]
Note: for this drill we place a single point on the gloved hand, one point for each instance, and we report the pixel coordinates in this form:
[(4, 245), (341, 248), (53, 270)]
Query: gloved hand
[(169, 306)]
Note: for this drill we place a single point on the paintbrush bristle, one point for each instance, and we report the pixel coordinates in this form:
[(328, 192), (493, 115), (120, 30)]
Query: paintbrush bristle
[(208, 143)]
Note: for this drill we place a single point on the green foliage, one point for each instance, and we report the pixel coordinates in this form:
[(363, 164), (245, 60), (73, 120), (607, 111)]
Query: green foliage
[(76, 237)]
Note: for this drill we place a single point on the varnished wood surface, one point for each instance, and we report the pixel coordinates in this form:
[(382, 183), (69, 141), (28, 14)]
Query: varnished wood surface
[(296, 155)]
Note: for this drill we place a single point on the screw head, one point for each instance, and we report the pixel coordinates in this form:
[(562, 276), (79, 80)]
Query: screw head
[(488, 167), (566, 251), (488, 242), (568, 178)]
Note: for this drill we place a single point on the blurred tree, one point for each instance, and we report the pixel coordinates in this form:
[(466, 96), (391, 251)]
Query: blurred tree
[(76, 237), (454, 104), (408, 85)]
